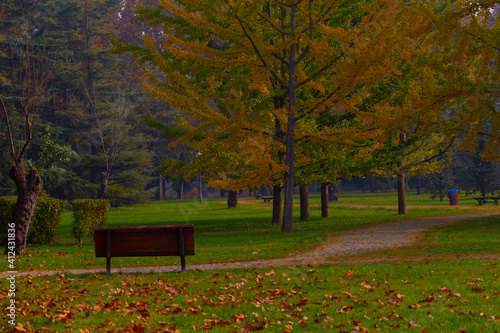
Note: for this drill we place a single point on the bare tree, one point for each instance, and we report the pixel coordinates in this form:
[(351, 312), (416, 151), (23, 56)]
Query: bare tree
[(33, 78), (106, 123)]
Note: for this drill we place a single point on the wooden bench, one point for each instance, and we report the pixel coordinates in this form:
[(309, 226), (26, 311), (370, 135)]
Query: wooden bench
[(267, 199), (143, 241), (482, 200)]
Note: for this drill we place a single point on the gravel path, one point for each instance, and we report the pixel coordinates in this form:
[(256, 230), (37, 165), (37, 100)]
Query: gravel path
[(385, 236)]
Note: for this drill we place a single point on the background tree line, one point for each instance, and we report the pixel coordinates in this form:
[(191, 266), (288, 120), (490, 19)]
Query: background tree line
[(92, 141)]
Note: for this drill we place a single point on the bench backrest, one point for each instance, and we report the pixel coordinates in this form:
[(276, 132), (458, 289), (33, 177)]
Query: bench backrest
[(144, 240)]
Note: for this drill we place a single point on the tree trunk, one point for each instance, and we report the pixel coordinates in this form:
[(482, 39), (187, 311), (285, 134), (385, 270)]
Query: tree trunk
[(333, 191), (182, 190), (419, 185), (289, 175), (279, 103), (29, 187), (291, 120), (264, 191), (161, 190), (402, 209), (277, 203), (103, 191), (232, 199), (304, 204), (372, 184), (325, 210)]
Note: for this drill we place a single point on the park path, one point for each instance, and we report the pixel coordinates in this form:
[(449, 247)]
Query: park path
[(386, 236)]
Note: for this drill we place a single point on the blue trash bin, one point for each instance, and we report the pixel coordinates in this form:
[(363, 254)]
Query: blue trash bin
[(453, 195)]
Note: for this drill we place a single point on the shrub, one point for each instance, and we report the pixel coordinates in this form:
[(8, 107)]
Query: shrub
[(88, 214), (46, 219), (45, 222)]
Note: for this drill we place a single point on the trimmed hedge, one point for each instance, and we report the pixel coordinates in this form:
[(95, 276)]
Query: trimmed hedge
[(45, 222), (88, 214)]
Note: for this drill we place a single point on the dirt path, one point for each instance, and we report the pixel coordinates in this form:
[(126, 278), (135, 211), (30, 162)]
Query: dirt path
[(385, 236)]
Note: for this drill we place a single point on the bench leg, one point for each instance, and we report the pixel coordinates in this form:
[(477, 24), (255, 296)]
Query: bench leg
[(108, 266), (181, 251), (108, 252), (183, 264)]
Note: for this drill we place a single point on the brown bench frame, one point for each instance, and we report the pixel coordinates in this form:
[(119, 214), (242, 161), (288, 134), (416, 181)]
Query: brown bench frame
[(142, 241), (482, 200)]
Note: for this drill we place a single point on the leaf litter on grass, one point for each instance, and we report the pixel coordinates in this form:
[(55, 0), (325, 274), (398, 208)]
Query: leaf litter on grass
[(448, 297)]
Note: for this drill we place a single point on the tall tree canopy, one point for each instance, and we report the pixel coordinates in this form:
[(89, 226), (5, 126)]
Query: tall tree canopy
[(244, 72)]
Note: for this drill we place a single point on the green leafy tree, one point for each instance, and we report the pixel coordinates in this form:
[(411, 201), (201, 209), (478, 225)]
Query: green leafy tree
[(228, 65)]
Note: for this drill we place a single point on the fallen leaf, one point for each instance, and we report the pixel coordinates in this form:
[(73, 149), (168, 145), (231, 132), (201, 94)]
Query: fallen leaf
[(365, 284), (19, 327), (477, 289), (272, 272)]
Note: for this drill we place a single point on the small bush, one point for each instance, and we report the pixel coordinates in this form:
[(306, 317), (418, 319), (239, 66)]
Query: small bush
[(88, 214), (44, 223)]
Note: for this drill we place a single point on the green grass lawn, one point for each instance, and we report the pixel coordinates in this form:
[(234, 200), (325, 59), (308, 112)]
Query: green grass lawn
[(222, 234), (437, 294), (390, 199)]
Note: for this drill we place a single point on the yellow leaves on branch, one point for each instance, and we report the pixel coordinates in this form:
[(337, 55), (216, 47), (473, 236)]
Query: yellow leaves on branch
[(229, 89), (260, 81)]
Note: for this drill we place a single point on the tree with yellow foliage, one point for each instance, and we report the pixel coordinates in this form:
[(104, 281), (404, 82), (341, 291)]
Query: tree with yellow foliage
[(480, 80), (249, 74)]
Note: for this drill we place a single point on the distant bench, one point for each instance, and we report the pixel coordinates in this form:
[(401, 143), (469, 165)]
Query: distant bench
[(266, 198), (144, 241), (482, 200)]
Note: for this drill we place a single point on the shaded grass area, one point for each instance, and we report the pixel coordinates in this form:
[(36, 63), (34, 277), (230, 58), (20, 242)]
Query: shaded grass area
[(450, 296), (221, 234), (390, 199)]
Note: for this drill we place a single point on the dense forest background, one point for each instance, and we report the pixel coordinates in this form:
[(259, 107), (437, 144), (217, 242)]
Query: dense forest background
[(91, 139)]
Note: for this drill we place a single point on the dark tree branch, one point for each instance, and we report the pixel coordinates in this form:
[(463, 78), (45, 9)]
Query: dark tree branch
[(275, 137), (254, 46), (321, 70), (9, 132)]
